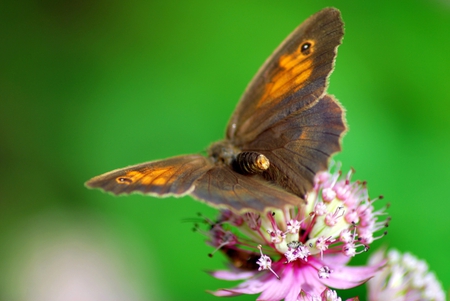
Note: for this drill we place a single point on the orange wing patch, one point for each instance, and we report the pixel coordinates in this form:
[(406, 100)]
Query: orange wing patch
[(293, 72), (157, 177)]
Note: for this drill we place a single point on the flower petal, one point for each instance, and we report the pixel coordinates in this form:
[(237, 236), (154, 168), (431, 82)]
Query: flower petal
[(232, 275), (251, 286), (345, 277), (283, 287)]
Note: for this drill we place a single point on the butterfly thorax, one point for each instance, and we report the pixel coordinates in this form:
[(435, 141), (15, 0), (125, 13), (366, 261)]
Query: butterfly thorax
[(244, 162), (223, 152)]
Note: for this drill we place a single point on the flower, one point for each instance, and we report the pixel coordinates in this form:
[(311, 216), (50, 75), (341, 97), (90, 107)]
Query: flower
[(300, 252), (327, 295), (405, 278)]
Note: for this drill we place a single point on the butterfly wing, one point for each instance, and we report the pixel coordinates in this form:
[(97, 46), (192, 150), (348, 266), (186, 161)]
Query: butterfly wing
[(291, 79), (173, 176), (300, 145), (218, 186), (223, 188), (285, 112)]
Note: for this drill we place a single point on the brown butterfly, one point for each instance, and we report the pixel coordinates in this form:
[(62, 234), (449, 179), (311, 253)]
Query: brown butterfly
[(283, 131)]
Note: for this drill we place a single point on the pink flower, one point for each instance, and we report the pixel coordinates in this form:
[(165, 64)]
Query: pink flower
[(301, 252), (404, 278), (327, 295)]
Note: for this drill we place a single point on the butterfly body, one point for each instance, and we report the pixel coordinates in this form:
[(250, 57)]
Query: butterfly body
[(283, 131)]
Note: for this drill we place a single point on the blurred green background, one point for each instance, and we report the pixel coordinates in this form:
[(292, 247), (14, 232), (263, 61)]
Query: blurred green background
[(90, 86)]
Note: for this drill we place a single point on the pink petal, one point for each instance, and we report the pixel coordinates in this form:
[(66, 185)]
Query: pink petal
[(232, 275), (345, 277), (280, 288), (224, 293), (251, 286), (311, 284), (336, 259)]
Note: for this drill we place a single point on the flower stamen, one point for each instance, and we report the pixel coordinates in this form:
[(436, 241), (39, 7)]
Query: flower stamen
[(265, 262), (331, 219), (324, 272)]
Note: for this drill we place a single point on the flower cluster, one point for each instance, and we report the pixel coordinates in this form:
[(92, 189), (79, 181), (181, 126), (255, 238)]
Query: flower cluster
[(300, 253), (404, 278)]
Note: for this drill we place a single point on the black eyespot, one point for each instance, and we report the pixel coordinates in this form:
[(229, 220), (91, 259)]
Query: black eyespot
[(305, 48), (124, 180)]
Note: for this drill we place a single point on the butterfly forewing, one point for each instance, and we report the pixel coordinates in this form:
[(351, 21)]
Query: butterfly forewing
[(173, 176), (218, 186), (291, 79)]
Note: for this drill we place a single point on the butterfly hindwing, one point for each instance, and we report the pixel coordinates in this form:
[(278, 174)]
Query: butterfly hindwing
[(299, 146), (224, 188)]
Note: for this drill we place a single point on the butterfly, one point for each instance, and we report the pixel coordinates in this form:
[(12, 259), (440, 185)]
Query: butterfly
[(282, 133)]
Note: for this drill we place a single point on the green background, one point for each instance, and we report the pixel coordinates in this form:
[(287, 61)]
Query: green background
[(90, 86)]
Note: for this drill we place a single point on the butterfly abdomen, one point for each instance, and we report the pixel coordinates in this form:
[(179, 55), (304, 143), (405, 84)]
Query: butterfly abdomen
[(250, 163)]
